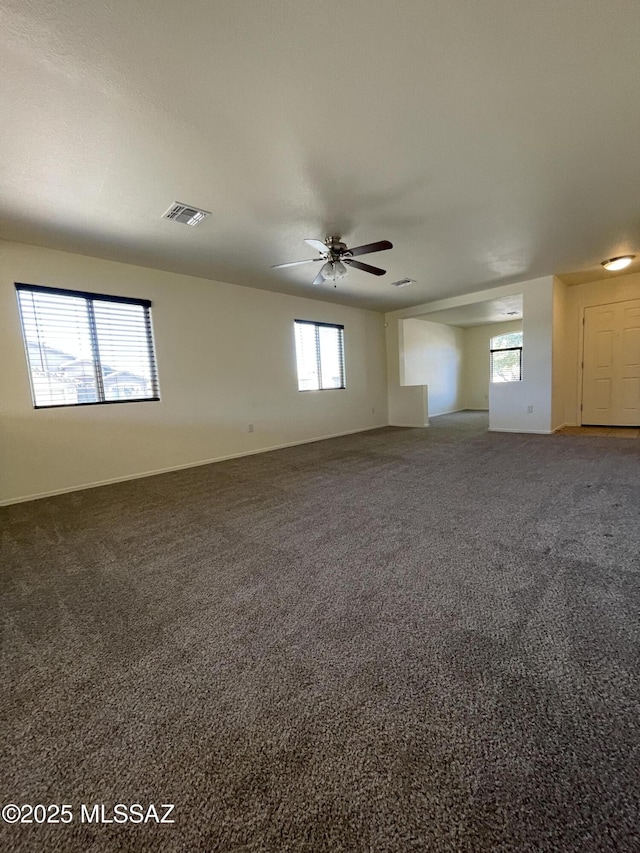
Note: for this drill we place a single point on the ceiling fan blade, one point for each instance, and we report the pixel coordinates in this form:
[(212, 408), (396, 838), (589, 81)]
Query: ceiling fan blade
[(370, 247), (318, 279), (364, 267), (296, 263), (317, 244)]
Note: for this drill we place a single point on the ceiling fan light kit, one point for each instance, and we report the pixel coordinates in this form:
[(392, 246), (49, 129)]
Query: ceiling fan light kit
[(619, 263), (337, 257), (333, 270)]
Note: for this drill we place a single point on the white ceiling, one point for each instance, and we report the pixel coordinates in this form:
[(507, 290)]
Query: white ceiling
[(491, 142), (503, 310)]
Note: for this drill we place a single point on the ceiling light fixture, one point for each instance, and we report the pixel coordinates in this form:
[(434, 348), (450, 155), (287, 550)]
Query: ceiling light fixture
[(618, 263)]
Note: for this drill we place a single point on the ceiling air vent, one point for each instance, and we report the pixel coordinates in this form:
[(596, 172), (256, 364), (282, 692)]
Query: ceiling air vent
[(185, 213), (403, 282)]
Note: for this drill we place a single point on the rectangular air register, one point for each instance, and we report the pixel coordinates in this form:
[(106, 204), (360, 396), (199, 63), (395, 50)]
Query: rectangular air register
[(185, 213), (403, 282)]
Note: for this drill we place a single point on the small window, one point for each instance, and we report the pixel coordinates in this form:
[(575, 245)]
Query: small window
[(84, 348), (319, 355), (506, 357)]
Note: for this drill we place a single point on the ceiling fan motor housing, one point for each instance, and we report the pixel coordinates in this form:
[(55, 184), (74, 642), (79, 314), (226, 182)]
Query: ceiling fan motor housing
[(336, 246)]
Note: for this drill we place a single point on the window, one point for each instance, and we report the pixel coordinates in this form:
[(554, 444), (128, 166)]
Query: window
[(506, 357), (319, 355), (85, 348)]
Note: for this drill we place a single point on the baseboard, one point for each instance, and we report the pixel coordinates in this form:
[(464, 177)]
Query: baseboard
[(525, 431), (436, 415), (410, 426), (97, 484)]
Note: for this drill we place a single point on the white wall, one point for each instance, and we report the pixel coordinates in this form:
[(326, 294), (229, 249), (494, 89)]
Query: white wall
[(579, 297), (407, 405), (476, 361), (432, 356), (226, 358), (509, 402)]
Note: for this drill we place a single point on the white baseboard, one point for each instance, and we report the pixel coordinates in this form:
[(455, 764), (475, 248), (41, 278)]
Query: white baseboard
[(526, 431), (171, 468)]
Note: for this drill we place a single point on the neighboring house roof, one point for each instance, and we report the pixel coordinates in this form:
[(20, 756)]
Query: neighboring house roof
[(77, 368), (121, 377)]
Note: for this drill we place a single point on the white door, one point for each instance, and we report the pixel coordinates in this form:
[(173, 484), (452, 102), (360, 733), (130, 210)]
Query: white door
[(611, 364)]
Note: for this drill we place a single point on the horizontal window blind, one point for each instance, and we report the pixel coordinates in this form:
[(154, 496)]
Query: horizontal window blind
[(319, 355), (506, 357), (85, 348), (506, 365)]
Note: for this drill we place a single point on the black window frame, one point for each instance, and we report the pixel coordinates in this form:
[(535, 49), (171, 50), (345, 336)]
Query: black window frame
[(93, 297), (318, 325)]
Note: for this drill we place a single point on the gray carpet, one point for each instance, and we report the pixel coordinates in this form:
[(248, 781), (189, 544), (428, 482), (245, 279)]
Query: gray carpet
[(403, 640)]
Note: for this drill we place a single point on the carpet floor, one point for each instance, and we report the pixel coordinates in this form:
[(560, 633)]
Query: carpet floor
[(401, 640)]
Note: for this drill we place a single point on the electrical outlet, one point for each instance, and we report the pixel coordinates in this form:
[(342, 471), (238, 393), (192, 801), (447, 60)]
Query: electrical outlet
[(529, 410), (250, 427)]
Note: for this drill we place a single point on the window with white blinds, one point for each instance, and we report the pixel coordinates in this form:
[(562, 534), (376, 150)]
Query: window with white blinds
[(319, 355), (506, 357), (85, 348)]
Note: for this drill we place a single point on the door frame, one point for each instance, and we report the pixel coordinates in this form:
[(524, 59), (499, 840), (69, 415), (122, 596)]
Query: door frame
[(582, 312)]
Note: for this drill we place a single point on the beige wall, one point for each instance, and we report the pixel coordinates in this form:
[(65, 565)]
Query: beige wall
[(226, 358), (432, 356), (476, 362), (579, 297)]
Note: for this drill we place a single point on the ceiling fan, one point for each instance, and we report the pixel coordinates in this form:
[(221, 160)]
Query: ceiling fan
[(337, 257)]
